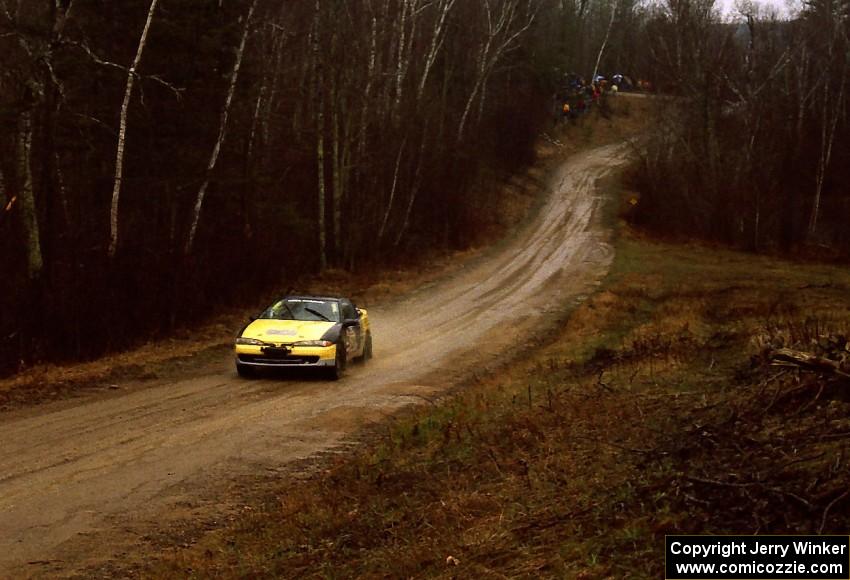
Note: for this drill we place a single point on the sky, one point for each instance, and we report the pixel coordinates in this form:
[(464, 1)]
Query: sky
[(783, 7)]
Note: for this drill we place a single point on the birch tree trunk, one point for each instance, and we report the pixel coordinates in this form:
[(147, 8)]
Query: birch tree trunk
[(400, 60), (345, 170), (828, 128), (62, 191), (482, 70), (385, 106), (367, 93), (320, 139), (499, 40), (436, 44), (336, 210), (272, 94), (392, 191), (434, 48), (222, 130), (414, 189), (249, 190), (604, 41), (29, 215), (252, 135), (122, 132)]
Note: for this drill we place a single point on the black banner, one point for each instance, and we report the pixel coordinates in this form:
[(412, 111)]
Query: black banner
[(757, 557)]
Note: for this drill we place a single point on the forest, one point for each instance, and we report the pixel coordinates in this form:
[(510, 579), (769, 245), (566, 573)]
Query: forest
[(161, 159), (755, 152)]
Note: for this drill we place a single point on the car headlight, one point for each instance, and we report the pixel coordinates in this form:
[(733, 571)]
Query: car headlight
[(313, 343), (253, 341)]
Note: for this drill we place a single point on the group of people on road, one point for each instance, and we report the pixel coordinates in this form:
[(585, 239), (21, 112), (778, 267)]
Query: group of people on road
[(577, 96), (578, 101)]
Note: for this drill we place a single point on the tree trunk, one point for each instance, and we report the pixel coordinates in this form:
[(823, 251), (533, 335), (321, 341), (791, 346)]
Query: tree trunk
[(827, 141), (336, 210), (62, 190), (250, 178), (414, 189), (401, 65), (4, 201), (499, 40), (466, 109), (436, 44), (29, 214), (272, 96), (222, 130), (345, 169), (392, 191), (367, 93), (122, 133), (604, 41), (320, 140)]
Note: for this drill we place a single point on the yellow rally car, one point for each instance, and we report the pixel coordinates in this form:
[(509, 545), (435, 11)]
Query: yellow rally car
[(305, 331)]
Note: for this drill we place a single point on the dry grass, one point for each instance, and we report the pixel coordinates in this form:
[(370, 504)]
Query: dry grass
[(650, 413)]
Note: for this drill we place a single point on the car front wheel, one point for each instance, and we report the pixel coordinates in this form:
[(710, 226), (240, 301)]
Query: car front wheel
[(245, 371), (338, 369)]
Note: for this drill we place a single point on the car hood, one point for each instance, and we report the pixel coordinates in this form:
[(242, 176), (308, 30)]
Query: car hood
[(286, 331)]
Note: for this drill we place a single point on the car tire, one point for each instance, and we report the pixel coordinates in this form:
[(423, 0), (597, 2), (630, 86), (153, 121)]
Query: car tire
[(367, 350), (338, 370), (245, 371)]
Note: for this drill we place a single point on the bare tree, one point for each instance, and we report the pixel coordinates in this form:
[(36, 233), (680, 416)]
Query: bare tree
[(319, 97), (393, 189), (122, 132), (437, 38), (222, 129), (42, 95), (833, 103), (29, 216), (604, 40), (503, 28), (370, 80)]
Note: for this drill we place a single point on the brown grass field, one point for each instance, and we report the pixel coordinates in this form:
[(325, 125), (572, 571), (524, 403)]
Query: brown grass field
[(651, 411)]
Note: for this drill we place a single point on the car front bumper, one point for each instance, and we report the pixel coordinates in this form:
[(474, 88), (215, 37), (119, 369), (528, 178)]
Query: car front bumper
[(298, 356)]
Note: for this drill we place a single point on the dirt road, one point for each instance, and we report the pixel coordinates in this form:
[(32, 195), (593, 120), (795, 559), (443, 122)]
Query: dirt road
[(77, 476)]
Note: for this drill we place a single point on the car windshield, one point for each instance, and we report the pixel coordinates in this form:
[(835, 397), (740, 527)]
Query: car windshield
[(303, 309)]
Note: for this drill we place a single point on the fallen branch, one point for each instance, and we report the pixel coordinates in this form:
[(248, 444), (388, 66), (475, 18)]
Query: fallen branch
[(829, 507), (808, 361), (751, 484)]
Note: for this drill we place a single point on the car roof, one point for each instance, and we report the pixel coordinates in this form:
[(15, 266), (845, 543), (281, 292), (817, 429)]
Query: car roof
[(313, 297)]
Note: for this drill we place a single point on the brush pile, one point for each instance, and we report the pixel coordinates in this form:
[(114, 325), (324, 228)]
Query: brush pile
[(827, 354)]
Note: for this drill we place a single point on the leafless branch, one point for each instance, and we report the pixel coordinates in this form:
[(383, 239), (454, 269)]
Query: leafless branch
[(829, 507), (177, 91)]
